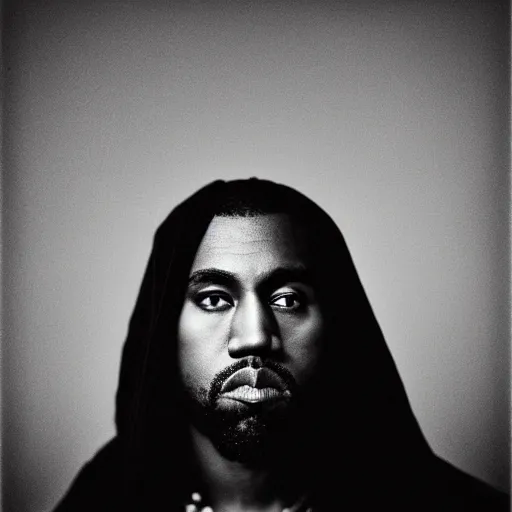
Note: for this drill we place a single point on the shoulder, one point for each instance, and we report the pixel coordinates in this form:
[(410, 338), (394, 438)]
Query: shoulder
[(458, 491), (98, 483)]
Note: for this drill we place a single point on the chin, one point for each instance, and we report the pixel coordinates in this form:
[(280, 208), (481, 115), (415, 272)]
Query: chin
[(252, 435), (249, 441)]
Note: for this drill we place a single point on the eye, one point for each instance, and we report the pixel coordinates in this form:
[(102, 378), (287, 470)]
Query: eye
[(214, 302), (287, 301)]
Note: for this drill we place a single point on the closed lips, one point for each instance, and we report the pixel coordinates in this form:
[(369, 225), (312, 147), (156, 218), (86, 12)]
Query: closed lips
[(254, 378), (249, 394)]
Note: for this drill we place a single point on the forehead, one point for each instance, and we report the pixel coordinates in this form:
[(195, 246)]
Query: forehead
[(254, 244)]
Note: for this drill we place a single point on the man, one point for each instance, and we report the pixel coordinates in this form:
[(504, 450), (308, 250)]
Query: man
[(255, 376)]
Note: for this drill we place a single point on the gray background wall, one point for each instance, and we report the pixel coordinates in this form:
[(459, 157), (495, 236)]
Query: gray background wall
[(393, 115)]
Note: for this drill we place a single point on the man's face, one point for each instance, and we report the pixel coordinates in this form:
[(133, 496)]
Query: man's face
[(250, 331)]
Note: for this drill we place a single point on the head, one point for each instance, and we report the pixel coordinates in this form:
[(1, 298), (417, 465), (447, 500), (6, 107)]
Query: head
[(250, 333)]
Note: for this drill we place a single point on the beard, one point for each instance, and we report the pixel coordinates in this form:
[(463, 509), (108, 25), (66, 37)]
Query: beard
[(250, 433)]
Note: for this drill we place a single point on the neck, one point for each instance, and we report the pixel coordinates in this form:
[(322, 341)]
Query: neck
[(232, 485)]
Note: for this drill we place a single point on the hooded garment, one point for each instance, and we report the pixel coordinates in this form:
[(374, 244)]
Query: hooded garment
[(365, 450)]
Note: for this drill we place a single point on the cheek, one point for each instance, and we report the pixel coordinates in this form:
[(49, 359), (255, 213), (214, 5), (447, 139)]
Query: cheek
[(303, 343), (200, 340)]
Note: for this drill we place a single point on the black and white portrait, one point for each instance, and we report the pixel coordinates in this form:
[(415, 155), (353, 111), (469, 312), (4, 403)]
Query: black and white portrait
[(256, 256)]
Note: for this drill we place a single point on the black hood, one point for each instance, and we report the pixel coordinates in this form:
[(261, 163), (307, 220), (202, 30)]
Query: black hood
[(361, 414)]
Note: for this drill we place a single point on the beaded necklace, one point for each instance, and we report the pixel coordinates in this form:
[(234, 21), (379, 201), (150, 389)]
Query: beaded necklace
[(196, 505)]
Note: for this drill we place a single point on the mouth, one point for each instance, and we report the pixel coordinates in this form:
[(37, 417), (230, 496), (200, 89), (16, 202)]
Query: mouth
[(254, 395), (251, 385)]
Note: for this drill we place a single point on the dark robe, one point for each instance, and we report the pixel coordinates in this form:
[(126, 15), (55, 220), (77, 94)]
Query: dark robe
[(361, 446)]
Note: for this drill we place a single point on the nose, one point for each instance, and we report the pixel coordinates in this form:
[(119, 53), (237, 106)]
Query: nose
[(252, 329)]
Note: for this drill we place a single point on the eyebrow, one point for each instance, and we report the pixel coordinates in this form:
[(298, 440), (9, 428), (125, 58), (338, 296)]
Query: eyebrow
[(273, 279)]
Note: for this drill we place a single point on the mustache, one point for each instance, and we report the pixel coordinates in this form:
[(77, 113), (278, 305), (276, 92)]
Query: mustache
[(273, 374)]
